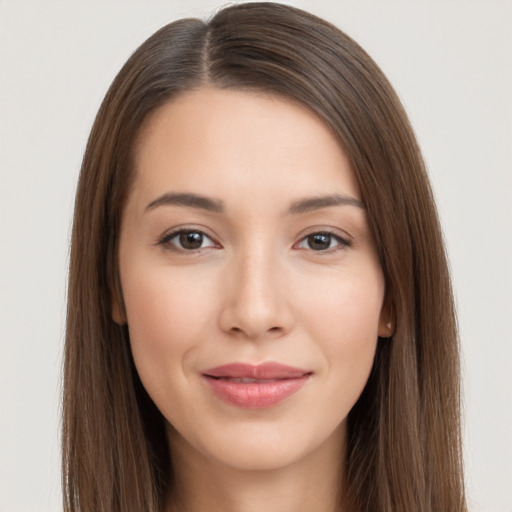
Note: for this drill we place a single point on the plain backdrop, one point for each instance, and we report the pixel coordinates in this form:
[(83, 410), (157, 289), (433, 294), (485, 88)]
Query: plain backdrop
[(451, 63)]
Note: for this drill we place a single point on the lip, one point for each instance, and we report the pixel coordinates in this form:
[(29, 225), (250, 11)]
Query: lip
[(255, 386)]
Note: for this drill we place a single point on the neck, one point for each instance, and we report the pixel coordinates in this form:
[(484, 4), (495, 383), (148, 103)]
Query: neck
[(206, 485)]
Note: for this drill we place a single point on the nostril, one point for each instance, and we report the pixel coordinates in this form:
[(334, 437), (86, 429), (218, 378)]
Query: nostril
[(240, 330)]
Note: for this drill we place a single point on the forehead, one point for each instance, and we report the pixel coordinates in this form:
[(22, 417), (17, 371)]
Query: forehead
[(237, 143)]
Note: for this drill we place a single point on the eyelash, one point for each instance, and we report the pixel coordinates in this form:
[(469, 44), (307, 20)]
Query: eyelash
[(343, 243), (165, 241)]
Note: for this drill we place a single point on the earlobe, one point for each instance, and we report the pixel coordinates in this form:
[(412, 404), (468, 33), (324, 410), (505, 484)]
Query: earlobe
[(118, 310), (118, 314), (386, 330), (387, 324)]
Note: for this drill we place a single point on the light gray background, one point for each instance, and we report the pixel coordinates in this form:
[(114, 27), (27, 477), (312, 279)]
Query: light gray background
[(450, 61)]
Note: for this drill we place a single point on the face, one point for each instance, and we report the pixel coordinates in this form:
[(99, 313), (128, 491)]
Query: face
[(252, 288)]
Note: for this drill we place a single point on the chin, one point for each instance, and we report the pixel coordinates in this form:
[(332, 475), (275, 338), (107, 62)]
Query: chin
[(263, 447)]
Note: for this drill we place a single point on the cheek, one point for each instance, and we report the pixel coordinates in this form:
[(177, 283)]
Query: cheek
[(167, 313), (346, 306), (345, 320)]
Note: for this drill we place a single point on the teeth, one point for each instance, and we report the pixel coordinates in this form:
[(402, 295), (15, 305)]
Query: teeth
[(244, 380)]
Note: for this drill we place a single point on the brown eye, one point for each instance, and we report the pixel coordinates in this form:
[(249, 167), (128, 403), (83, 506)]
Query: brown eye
[(187, 240), (323, 241), (319, 241), (191, 240)]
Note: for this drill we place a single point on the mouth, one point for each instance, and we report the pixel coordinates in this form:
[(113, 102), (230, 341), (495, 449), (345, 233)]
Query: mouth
[(255, 386)]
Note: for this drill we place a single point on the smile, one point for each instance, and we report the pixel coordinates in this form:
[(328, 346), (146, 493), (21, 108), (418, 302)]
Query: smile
[(255, 387)]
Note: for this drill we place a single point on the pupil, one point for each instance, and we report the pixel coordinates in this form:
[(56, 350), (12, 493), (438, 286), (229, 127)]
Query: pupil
[(191, 240), (319, 241)]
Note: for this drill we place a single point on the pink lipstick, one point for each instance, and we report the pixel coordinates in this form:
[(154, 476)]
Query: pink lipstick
[(255, 386)]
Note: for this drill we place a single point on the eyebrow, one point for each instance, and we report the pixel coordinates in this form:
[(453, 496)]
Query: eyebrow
[(316, 203), (190, 200), (217, 206)]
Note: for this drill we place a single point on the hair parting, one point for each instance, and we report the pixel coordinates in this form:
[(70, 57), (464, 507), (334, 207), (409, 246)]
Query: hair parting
[(404, 444)]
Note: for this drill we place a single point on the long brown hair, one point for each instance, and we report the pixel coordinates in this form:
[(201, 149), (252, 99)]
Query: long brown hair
[(404, 443)]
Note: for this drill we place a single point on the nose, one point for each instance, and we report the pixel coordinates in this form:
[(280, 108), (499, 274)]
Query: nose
[(256, 304)]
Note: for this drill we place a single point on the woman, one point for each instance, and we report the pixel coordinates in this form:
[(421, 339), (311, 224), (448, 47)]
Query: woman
[(260, 312)]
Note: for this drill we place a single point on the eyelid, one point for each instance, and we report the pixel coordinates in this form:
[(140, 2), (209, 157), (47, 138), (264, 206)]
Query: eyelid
[(165, 239), (344, 242)]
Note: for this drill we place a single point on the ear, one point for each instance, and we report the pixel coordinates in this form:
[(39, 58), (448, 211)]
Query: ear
[(118, 309), (387, 322), (118, 312)]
